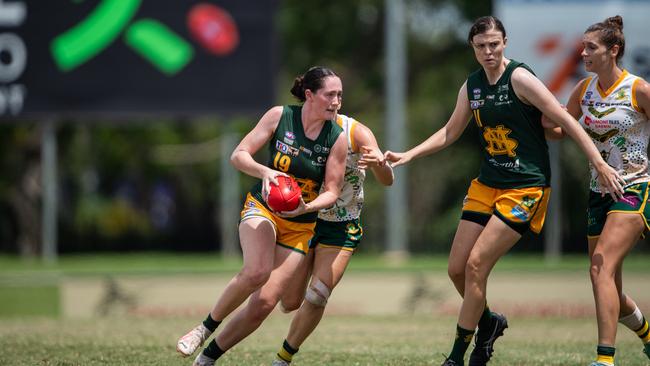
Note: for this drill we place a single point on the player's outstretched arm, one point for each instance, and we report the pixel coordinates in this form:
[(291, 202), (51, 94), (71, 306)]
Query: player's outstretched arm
[(531, 90), (443, 137)]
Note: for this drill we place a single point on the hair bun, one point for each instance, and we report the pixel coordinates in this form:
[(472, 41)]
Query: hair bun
[(615, 22)]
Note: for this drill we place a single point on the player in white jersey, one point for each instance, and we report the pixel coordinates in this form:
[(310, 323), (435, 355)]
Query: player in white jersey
[(613, 107), (337, 234)]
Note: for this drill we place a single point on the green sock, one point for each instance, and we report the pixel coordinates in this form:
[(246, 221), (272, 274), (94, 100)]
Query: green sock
[(462, 341), (210, 323), (486, 319), (213, 350), (286, 352), (605, 354)]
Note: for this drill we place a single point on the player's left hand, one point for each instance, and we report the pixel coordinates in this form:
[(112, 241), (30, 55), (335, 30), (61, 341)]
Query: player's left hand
[(300, 210), (610, 181), (371, 157)]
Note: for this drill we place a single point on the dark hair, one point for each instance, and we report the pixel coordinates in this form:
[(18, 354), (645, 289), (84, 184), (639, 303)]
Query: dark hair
[(611, 34), (484, 24), (311, 80)]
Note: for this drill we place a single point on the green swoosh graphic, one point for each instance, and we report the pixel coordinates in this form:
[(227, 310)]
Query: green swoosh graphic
[(158, 44), (85, 40)]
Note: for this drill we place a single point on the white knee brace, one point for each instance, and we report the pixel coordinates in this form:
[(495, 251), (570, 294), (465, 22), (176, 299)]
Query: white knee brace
[(317, 293)]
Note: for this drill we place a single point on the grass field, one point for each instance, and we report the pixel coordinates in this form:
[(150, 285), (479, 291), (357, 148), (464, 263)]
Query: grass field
[(129, 310)]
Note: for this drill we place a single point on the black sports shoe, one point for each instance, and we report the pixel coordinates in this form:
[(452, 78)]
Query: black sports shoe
[(484, 340), (450, 362)]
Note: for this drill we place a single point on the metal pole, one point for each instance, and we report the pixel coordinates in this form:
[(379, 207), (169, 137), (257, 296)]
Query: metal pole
[(553, 231), (49, 188), (396, 196), (230, 200)]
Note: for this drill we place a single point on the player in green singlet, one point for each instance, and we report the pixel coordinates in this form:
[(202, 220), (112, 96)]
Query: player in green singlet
[(613, 106), (306, 143), (510, 195)]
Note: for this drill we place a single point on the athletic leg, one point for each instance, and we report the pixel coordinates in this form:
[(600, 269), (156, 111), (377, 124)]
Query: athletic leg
[(263, 300), (329, 267), (257, 240), (494, 241), (620, 233)]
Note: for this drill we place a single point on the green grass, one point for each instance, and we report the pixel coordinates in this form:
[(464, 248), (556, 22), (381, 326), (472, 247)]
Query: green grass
[(340, 340), (171, 263)]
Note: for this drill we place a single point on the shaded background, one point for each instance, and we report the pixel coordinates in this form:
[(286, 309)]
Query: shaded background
[(142, 171)]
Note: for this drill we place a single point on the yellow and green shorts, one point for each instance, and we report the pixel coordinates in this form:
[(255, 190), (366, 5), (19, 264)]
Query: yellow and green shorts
[(520, 208), (635, 200), (345, 235), (288, 234)]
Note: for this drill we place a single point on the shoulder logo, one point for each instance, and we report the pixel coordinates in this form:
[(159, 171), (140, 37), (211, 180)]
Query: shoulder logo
[(476, 104), (477, 93), (588, 94)]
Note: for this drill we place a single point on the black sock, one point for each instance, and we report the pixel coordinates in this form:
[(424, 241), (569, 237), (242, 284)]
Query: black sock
[(463, 339), (486, 319), (210, 323), (213, 350)]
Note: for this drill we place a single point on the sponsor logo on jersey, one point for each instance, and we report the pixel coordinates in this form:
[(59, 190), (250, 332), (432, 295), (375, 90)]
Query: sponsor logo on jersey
[(621, 94), (289, 137), (321, 149), (503, 88), (305, 150), (286, 149), (489, 97), (476, 104), (320, 161)]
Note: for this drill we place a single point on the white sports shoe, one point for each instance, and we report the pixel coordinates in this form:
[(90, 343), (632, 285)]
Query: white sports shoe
[(280, 363), (203, 360), (190, 342)]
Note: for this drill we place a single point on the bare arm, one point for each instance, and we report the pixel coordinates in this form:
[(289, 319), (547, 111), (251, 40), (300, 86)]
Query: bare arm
[(529, 89), (372, 157), (443, 137), (642, 93), (242, 156)]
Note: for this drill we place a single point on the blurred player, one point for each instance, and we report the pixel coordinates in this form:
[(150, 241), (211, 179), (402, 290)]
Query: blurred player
[(338, 233), (510, 195), (614, 108), (304, 142)]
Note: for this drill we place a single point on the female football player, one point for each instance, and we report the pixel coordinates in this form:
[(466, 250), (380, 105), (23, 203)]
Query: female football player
[(511, 192), (613, 107), (338, 233), (306, 143)]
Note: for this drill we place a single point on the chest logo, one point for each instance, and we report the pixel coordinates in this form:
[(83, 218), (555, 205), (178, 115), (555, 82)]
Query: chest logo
[(498, 142), (599, 114), (601, 137)]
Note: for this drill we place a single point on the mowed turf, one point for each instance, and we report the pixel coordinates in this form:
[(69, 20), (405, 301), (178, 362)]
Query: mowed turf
[(340, 340), (380, 314)]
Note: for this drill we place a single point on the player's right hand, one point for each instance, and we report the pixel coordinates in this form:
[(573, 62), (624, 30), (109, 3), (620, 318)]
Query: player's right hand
[(396, 158), (270, 177)]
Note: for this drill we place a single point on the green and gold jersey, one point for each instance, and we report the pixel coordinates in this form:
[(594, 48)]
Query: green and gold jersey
[(515, 153), (304, 159)]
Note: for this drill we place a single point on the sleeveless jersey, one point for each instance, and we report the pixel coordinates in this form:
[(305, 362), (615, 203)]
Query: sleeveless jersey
[(617, 127), (291, 152), (515, 154), (348, 205)]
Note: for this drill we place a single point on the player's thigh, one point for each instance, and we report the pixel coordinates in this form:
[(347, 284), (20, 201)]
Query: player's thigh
[(466, 235), (620, 234), (330, 264), (295, 290), (495, 240), (257, 240)]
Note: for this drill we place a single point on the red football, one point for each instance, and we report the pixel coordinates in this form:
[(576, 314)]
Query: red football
[(285, 196)]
